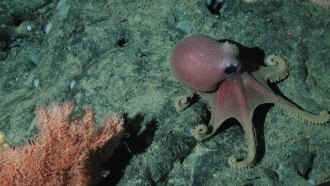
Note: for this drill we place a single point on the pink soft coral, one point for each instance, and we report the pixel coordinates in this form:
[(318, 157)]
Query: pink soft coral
[(66, 152)]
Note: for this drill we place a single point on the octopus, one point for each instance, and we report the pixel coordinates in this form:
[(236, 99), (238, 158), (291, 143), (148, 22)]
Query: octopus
[(233, 87)]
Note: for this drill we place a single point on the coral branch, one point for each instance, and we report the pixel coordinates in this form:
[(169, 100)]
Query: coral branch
[(66, 151)]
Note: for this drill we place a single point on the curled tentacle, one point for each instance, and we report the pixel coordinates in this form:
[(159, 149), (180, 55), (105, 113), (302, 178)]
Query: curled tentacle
[(248, 162), (183, 102), (200, 132), (277, 69)]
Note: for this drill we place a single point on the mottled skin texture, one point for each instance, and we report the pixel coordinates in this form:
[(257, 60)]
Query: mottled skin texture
[(238, 92)]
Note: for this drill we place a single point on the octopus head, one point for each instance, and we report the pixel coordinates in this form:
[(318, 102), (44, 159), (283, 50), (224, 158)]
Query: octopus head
[(202, 63)]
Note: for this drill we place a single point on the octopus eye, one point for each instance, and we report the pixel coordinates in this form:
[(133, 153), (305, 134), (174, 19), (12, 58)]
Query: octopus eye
[(231, 69)]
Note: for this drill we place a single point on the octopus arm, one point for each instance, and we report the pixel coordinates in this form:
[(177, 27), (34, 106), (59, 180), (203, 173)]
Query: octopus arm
[(277, 69), (248, 162), (322, 118)]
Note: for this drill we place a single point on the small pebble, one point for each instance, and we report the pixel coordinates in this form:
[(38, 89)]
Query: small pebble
[(191, 131), (29, 28), (274, 120), (34, 59), (105, 173), (72, 84), (185, 26), (171, 21), (311, 182), (36, 83), (48, 27)]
